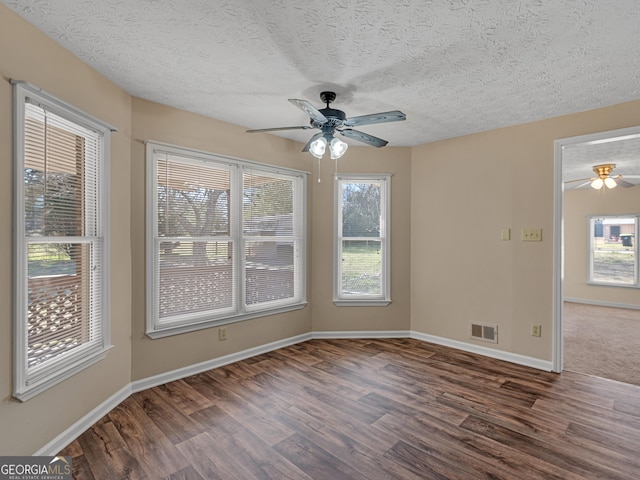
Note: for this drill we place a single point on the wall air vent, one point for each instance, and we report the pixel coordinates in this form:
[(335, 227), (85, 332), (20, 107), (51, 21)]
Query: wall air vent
[(485, 332)]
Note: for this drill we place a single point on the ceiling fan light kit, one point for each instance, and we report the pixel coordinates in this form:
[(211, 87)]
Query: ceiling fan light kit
[(338, 148), (604, 178), (330, 121)]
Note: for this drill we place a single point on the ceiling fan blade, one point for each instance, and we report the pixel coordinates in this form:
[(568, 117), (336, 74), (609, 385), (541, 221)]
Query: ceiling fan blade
[(383, 117), (310, 110), (623, 183), (306, 147), (582, 185), (363, 137), (277, 129), (580, 180)]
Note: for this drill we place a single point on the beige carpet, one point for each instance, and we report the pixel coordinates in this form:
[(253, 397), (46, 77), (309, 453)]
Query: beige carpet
[(602, 341)]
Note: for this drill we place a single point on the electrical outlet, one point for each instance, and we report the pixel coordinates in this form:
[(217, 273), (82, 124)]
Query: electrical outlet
[(536, 330), (222, 333)]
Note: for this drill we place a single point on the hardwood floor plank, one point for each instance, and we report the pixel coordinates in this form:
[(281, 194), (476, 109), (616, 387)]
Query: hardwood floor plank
[(315, 461), (211, 461), (187, 473), (257, 458), (171, 421), (628, 406), (107, 454), (352, 444), (146, 442), (517, 416), (253, 407), (81, 469), (558, 454), (455, 446), (425, 465), (183, 397)]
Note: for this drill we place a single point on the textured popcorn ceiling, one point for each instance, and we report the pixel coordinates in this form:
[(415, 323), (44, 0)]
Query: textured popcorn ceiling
[(454, 67)]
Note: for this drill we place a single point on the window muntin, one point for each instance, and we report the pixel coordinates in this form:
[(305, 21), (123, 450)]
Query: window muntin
[(362, 239), (613, 250), (61, 268), (228, 240)]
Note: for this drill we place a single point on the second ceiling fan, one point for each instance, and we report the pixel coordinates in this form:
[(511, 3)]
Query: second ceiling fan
[(329, 120), (603, 179)]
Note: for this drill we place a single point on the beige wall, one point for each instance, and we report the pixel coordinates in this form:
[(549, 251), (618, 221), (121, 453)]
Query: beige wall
[(327, 316), (152, 121), (26, 54), (463, 192), (578, 206)]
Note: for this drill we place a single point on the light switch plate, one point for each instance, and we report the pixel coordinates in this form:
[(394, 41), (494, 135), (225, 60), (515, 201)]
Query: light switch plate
[(531, 235), (506, 234)]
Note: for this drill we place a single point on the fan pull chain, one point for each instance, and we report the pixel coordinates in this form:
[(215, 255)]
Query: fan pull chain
[(318, 170)]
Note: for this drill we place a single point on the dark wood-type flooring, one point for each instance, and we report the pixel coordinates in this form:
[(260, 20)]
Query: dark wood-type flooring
[(369, 409)]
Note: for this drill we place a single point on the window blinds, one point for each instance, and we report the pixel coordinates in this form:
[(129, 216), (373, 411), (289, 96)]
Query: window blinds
[(63, 236)]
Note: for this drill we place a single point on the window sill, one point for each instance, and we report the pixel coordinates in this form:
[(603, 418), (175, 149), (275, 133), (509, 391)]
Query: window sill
[(361, 303), (30, 391), (605, 284), (192, 327)]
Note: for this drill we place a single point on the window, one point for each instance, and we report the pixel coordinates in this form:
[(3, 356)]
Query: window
[(362, 240), (226, 240), (613, 250), (61, 241)]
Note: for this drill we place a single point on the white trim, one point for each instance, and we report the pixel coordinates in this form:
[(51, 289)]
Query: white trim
[(361, 303), (558, 260), (591, 253), (384, 298), (359, 334), (599, 303), (78, 116), (28, 384), (239, 310), (209, 156), (558, 230), (486, 352), (82, 425), (192, 327)]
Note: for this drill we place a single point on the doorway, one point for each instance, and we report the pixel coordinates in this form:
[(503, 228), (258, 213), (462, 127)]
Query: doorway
[(575, 175)]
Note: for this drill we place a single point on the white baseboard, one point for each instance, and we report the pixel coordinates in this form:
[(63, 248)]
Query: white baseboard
[(547, 366), (179, 373), (599, 303), (73, 432), (365, 334), (82, 425)]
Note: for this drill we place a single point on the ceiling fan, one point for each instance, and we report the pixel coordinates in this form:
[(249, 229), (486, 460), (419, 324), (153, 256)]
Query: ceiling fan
[(329, 120), (603, 178)]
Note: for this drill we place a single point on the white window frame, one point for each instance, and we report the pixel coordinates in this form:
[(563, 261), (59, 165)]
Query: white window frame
[(636, 248), (29, 382), (384, 298), (239, 311)]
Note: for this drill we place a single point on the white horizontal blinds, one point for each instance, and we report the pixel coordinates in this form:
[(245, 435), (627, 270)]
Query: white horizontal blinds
[(361, 238), (271, 229), (194, 249), (62, 235)]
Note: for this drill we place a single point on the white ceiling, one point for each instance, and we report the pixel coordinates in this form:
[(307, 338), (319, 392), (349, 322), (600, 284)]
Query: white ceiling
[(454, 67)]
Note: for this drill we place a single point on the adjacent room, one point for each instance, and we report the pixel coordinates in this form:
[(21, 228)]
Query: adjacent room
[(341, 239)]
